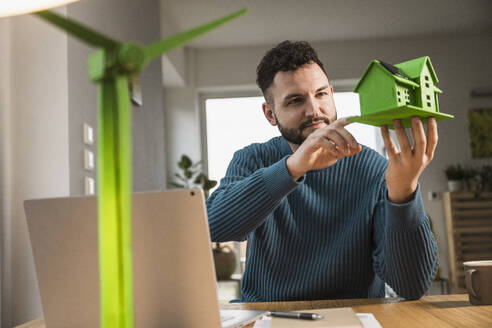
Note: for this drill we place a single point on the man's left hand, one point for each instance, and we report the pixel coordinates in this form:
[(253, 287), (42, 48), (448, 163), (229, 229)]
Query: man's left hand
[(406, 165)]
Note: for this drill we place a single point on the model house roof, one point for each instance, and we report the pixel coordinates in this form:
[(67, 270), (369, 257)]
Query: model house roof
[(393, 71), (413, 68)]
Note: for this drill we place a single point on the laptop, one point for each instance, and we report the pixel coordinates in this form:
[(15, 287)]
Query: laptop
[(174, 276)]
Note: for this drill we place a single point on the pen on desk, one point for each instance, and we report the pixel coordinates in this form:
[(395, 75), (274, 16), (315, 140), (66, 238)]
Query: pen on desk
[(296, 315)]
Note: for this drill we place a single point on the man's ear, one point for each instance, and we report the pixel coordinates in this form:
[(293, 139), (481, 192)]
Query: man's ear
[(269, 114)]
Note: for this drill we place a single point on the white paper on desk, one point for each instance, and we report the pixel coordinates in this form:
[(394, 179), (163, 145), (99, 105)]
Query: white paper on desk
[(367, 319), (264, 322), (333, 318)]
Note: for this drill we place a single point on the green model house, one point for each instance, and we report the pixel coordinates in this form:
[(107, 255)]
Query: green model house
[(401, 91)]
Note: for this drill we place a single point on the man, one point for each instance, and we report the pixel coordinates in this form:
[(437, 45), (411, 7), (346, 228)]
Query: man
[(324, 216)]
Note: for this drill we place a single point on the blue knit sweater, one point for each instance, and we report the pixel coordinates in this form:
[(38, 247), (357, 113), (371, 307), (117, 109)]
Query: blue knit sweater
[(331, 234)]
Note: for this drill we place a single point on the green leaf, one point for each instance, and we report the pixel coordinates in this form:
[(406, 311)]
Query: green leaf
[(188, 174), (177, 185), (209, 184), (185, 162), (197, 164), (200, 179)]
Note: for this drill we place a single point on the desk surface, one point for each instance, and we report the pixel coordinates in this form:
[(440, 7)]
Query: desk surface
[(429, 311)]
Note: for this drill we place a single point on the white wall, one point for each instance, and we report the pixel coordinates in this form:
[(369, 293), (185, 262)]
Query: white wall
[(461, 63), (38, 145)]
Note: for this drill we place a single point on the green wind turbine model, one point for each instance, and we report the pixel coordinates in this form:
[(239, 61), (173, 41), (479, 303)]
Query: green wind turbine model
[(110, 67)]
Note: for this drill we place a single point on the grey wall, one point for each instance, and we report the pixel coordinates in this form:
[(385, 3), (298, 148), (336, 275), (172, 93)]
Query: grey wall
[(182, 126), (37, 157), (126, 20), (461, 63), (173, 62), (45, 97)]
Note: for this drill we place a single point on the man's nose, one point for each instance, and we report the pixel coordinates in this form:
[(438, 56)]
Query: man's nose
[(312, 107)]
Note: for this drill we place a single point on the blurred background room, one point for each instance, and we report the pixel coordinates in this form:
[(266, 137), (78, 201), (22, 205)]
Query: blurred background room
[(201, 100)]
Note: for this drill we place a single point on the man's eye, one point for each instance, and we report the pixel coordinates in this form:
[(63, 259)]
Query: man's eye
[(294, 101), (322, 94)]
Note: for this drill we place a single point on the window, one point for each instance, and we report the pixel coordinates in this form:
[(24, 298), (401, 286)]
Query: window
[(232, 124), (236, 122)]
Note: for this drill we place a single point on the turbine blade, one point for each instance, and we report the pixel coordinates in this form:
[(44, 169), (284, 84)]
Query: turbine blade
[(78, 30), (158, 48)]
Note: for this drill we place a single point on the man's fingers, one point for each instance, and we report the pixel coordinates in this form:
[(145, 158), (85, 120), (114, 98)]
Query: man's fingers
[(341, 122), (419, 139), (432, 137), (338, 139), (340, 125), (349, 138), (388, 142), (402, 137), (343, 139), (332, 148)]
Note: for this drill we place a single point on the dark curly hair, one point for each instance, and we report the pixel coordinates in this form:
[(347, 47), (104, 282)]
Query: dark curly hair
[(286, 56)]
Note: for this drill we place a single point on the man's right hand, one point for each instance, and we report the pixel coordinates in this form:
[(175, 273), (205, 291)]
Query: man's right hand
[(323, 148)]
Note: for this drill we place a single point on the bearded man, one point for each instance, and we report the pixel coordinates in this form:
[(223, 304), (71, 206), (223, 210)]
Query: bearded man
[(324, 216)]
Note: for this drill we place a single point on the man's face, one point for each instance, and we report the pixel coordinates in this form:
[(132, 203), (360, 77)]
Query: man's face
[(302, 102)]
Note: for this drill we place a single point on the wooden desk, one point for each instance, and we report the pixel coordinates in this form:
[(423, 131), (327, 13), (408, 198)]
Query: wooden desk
[(430, 311)]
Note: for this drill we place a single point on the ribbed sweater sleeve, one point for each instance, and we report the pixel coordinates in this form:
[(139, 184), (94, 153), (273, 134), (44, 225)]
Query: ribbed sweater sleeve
[(405, 255), (246, 195)]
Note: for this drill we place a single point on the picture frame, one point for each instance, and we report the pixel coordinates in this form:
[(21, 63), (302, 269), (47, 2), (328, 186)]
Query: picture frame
[(480, 131)]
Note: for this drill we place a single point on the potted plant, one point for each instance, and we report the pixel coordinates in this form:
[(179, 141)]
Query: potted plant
[(192, 176), (455, 175), (484, 178), (469, 175)]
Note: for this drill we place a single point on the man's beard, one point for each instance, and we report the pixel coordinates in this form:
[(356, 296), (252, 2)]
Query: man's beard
[(295, 135)]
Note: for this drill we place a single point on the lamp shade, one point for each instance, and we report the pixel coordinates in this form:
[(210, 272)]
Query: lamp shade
[(19, 7)]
